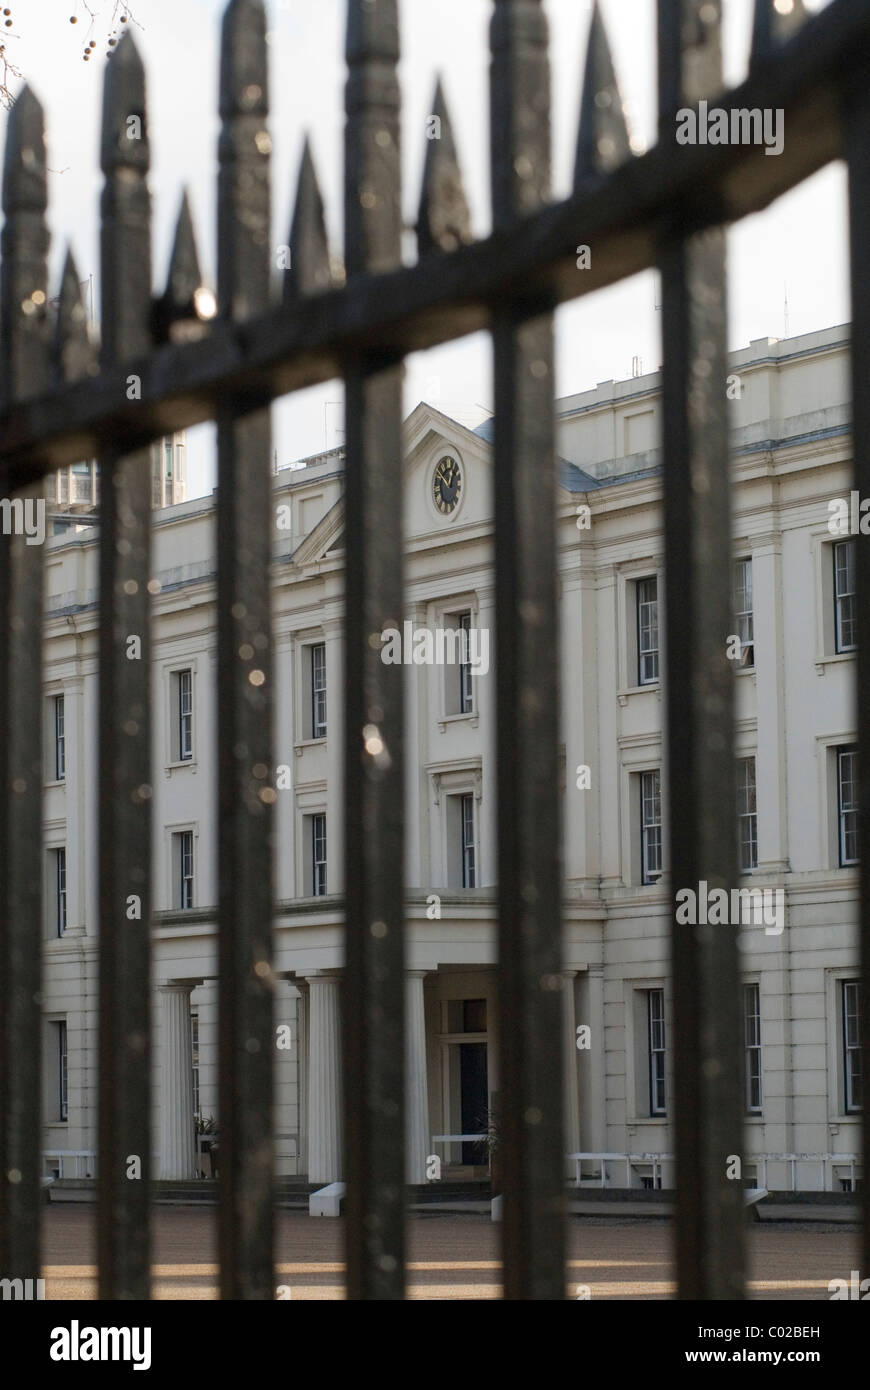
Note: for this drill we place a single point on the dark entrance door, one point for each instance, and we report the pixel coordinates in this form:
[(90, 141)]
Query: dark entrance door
[(474, 1093)]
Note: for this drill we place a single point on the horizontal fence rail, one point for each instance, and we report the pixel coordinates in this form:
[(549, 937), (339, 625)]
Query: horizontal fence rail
[(171, 360)]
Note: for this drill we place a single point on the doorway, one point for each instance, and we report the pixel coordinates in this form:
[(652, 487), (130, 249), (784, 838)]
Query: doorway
[(473, 1094)]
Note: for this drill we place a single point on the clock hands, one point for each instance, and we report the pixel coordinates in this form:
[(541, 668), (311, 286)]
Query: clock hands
[(448, 480)]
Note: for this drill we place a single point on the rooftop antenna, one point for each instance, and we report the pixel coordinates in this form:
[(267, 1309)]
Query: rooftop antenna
[(785, 308)]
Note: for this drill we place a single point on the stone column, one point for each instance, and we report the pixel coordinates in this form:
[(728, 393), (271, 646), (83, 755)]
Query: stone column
[(571, 1137), (325, 1134), (177, 1151), (416, 1084)]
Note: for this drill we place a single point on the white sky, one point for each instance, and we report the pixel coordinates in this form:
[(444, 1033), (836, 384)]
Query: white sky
[(800, 243)]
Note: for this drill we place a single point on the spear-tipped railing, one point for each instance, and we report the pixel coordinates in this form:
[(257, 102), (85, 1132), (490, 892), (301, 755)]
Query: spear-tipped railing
[(173, 360)]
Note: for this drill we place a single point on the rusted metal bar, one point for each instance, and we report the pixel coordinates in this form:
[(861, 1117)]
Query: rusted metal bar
[(417, 307), (124, 793), (706, 1106), (245, 521), (374, 987), (24, 362), (527, 688)]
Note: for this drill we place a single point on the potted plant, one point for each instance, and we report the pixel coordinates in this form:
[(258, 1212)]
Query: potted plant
[(207, 1143), (492, 1145)]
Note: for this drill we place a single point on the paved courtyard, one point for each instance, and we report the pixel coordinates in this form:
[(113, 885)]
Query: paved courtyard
[(450, 1257)]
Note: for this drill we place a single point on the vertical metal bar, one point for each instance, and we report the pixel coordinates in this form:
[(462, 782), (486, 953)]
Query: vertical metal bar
[(245, 521), (527, 665), (374, 992), (857, 151), (706, 1103), (124, 796), (24, 352)]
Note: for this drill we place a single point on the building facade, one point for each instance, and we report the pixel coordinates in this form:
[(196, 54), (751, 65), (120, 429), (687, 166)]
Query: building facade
[(793, 649)]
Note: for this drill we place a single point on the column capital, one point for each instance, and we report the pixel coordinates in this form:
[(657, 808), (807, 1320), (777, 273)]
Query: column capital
[(417, 974)]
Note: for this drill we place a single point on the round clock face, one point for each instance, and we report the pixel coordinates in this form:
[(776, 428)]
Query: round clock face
[(447, 484)]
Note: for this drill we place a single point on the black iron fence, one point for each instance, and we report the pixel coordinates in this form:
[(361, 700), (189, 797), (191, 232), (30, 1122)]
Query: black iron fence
[(165, 363)]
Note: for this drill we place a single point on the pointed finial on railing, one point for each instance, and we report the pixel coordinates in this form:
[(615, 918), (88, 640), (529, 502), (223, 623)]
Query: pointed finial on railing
[(443, 221), (125, 207), (24, 176), (74, 353), (124, 143), (243, 85), (186, 305), (373, 212), (519, 109), (372, 30), (243, 152), (689, 34), (184, 277), (24, 249), (774, 22), (602, 143), (308, 269)]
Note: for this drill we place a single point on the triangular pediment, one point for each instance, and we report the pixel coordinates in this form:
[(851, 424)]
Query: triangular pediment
[(326, 539), (428, 434)]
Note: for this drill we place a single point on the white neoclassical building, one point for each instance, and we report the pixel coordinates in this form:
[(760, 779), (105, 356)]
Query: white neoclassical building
[(795, 730)]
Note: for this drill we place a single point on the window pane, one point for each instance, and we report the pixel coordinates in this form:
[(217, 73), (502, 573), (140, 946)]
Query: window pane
[(847, 790), (185, 715), (63, 1076), (194, 1051), (844, 595), (184, 842), (651, 828), (466, 704), (747, 814), (468, 856), (318, 690), (852, 1003), (59, 739), (647, 631), (60, 866), (318, 855), (752, 1045), (656, 1012), (743, 610), (473, 1016)]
